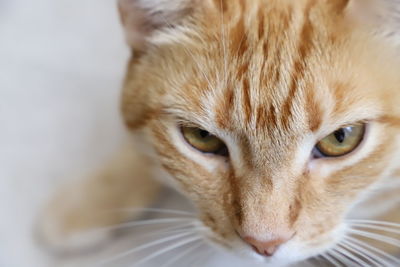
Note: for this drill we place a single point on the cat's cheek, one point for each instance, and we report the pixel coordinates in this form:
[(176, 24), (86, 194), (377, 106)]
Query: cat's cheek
[(286, 255)]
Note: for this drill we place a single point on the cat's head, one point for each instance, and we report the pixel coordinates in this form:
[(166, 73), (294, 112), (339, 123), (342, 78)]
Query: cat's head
[(274, 117)]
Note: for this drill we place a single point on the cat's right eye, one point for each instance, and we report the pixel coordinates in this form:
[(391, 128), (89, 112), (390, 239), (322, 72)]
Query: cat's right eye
[(204, 141)]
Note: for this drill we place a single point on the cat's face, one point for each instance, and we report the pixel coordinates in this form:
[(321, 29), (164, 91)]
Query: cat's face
[(273, 117)]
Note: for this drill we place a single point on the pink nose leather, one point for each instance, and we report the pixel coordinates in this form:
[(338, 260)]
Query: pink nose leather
[(267, 248)]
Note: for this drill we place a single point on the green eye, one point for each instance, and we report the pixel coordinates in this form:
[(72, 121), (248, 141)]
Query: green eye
[(203, 141), (342, 141)]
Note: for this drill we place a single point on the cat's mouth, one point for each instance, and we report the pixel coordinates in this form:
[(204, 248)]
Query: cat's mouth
[(237, 246), (294, 250)]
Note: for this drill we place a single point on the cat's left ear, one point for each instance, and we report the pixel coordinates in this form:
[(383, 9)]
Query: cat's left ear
[(381, 17), (142, 18)]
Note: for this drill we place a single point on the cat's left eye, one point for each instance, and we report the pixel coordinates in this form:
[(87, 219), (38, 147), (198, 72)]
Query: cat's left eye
[(204, 141), (342, 141)]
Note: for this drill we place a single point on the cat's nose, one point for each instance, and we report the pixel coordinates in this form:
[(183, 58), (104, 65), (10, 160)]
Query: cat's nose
[(267, 248)]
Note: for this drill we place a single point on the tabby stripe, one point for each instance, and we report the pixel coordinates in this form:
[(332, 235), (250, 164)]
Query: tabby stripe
[(270, 72), (261, 23), (238, 39), (246, 103), (299, 67), (221, 5), (314, 110), (224, 109), (390, 120)]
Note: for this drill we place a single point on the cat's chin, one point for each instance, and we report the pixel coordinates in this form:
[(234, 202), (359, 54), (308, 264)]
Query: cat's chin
[(286, 256), (294, 252), (241, 252), (258, 260)]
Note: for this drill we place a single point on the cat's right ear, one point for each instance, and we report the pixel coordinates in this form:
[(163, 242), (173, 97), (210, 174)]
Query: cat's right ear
[(380, 17), (142, 18)]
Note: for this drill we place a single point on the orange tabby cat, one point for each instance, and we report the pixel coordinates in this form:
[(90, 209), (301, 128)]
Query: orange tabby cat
[(278, 119)]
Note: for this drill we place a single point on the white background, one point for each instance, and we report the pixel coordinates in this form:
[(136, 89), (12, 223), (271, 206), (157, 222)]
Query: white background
[(61, 66)]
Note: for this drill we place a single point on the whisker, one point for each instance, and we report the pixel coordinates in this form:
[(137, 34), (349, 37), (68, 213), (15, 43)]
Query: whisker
[(165, 250), (353, 256), (144, 223), (331, 259), (382, 223), (365, 253), (374, 227), (172, 230), (346, 257), (147, 245), (160, 211), (378, 251), (337, 257), (180, 256), (384, 239)]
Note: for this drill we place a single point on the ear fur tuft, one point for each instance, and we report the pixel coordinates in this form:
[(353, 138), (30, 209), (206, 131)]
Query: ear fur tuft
[(142, 17), (382, 17)]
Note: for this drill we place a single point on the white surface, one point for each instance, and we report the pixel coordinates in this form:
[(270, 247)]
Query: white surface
[(61, 66)]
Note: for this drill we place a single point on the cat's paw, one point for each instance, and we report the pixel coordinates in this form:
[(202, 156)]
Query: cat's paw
[(70, 230), (60, 239)]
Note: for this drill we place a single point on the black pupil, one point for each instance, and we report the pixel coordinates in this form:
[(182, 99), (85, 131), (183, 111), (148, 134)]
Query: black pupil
[(340, 135), (204, 134)]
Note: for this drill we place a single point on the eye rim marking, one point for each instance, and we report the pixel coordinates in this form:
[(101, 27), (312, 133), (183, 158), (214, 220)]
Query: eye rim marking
[(222, 152)]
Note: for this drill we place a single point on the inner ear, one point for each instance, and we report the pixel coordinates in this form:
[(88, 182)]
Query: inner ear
[(142, 18)]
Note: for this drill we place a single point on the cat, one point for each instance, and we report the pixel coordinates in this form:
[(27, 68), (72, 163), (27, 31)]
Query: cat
[(278, 119)]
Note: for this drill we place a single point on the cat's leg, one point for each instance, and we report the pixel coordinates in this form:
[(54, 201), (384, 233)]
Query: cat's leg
[(70, 220)]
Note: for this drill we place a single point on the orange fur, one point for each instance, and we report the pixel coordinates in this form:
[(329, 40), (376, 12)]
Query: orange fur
[(269, 78)]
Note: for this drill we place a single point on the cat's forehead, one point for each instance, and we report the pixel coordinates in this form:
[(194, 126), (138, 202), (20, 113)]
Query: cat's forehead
[(266, 67), (271, 71)]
